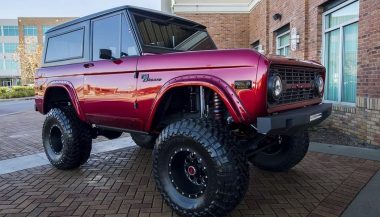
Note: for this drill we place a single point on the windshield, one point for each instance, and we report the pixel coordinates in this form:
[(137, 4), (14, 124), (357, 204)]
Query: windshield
[(169, 36)]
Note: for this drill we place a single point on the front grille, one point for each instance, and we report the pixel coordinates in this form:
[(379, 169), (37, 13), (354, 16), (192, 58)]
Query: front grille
[(298, 84)]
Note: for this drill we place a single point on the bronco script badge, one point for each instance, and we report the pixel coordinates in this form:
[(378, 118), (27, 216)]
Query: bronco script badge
[(146, 78)]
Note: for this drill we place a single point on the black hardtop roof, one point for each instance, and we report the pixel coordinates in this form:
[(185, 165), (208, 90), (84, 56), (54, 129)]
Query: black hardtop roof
[(140, 10)]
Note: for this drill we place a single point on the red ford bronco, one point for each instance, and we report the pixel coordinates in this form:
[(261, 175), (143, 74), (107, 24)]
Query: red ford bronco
[(205, 112)]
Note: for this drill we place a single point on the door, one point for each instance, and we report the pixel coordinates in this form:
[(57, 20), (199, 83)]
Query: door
[(109, 85)]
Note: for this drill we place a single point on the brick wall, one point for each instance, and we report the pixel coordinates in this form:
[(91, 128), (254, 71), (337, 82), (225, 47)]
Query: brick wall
[(314, 26), (369, 49), (306, 16), (258, 25), (227, 30), (292, 12), (362, 120)]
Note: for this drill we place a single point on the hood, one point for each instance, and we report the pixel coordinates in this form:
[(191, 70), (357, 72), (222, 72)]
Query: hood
[(281, 60), (199, 59)]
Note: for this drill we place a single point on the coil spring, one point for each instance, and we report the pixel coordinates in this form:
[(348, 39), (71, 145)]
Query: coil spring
[(218, 107)]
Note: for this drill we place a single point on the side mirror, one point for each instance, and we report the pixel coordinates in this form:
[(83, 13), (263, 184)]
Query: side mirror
[(106, 54)]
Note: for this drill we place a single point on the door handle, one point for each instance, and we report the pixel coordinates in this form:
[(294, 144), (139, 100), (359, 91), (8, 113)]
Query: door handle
[(88, 65)]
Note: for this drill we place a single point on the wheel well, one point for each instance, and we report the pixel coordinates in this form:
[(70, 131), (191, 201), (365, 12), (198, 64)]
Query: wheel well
[(185, 102), (56, 97)]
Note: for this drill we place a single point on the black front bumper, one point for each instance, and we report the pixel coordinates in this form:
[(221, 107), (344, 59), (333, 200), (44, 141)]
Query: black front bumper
[(294, 120)]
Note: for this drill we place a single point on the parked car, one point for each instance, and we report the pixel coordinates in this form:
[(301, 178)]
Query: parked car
[(205, 112)]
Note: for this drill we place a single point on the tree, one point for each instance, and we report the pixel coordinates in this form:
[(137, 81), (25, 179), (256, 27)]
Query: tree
[(28, 55)]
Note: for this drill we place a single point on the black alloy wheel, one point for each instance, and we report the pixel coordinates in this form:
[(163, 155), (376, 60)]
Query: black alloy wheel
[(198, 170), (188, 173)]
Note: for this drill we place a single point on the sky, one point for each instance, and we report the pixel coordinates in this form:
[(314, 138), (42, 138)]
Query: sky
[(11, 9)]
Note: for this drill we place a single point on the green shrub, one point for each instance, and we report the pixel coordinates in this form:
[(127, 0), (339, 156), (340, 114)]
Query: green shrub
[(3, 90), (16, 92)]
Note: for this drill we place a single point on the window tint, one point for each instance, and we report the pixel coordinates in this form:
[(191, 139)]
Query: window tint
[(128, 44), (106, 35), (65, 46)]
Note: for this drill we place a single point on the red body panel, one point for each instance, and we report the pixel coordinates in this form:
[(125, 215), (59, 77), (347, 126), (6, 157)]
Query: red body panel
[(107, 93)]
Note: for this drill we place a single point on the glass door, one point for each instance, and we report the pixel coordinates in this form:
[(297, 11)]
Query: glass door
[(340, 51)]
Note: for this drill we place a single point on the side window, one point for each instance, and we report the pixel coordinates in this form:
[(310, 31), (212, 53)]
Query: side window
[(128, 43), (65, 46), (106, 35)]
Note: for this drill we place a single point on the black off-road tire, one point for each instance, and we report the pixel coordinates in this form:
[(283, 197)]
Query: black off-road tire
[(288, 153), (67, 140), (227, 168), (144, 141)]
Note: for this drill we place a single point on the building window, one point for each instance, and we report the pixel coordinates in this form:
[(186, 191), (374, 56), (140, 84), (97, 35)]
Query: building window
[(340, 36), (283, 40), (46, 28), (7, 83), (257, 46), (10, 48), (283, 44), (10, 30), (1, 65), (30, 30), (11, 65)]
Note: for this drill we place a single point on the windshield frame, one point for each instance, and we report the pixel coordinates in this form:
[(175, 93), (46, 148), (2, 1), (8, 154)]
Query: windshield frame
[(165, 19)]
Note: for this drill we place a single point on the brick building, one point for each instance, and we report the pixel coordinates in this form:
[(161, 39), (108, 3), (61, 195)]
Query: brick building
[(344, 35)]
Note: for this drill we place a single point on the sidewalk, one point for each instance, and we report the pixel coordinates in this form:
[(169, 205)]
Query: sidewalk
[(17, 99)]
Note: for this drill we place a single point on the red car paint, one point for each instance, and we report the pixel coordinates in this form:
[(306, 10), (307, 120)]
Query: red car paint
[(105, 92)]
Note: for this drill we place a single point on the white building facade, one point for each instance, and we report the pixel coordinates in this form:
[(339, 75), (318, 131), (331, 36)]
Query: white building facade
[(9, 66)]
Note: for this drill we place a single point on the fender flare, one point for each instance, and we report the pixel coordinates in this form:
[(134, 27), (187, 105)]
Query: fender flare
[(69, 88), (227, 94)]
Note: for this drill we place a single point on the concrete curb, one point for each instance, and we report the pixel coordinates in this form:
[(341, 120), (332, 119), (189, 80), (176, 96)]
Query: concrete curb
[(366, 203), (349, 151), (17, 99), (40, 159)]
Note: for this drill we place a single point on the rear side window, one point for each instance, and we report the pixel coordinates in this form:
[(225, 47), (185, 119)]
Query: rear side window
[(66, 46)]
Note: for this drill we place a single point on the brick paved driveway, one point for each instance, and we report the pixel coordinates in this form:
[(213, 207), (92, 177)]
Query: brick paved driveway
[(20, 134), (120, 183)]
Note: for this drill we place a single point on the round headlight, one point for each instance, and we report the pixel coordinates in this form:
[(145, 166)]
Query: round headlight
[(319, 84), (276, 86)]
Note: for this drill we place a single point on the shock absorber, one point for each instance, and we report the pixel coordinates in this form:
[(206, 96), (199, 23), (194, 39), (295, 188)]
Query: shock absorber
[(193, 100), (218, 108)]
